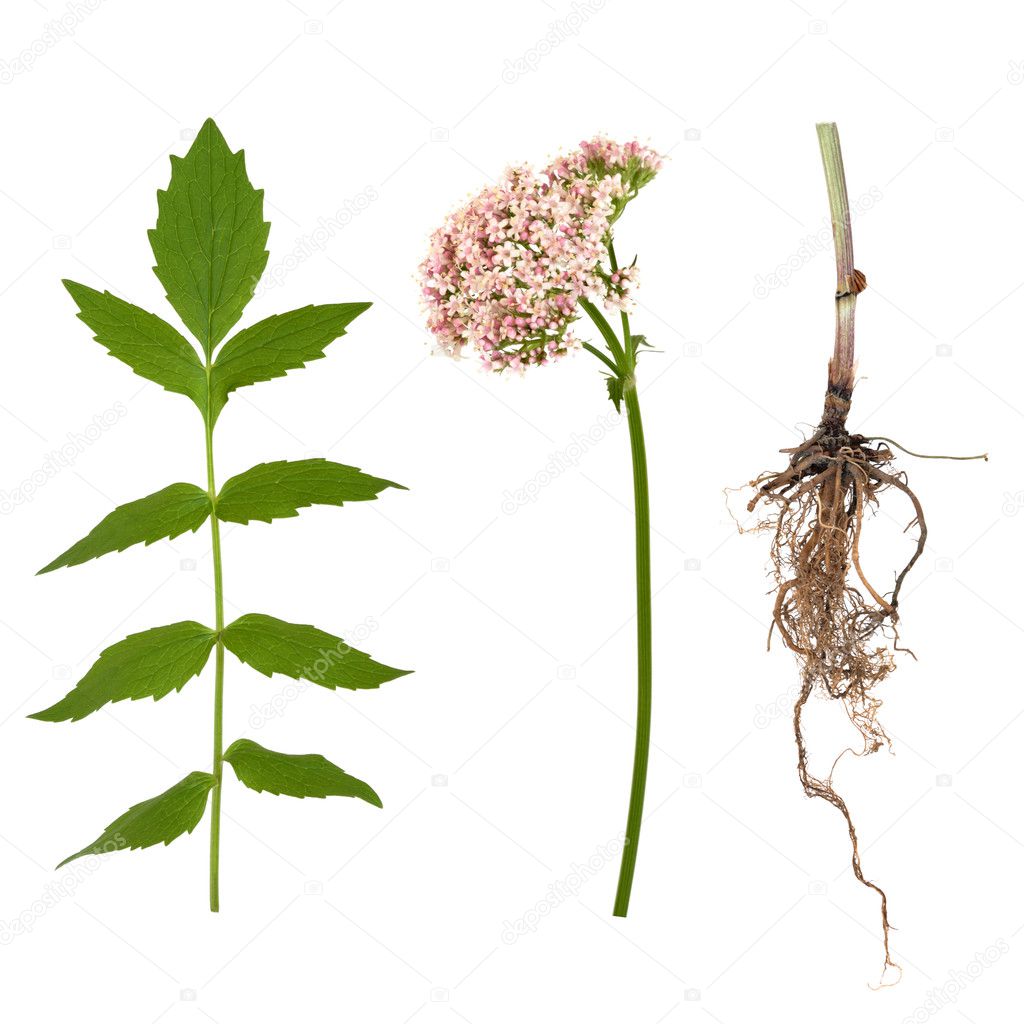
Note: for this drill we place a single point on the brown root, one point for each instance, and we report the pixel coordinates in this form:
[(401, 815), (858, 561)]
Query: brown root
[(839, 624)]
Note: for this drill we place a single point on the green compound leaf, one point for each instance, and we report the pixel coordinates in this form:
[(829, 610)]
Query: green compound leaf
[(271, 645), (278, 344), (149, 345), (299, 775), (160, 819), (209, 244), (210, 237), (277, 490), (147, 664), (165, 514)]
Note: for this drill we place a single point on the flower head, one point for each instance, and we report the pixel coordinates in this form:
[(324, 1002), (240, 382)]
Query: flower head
[(505, 272)]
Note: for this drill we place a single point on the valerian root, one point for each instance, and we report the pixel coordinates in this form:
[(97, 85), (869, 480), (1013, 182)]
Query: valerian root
[(840, 624)]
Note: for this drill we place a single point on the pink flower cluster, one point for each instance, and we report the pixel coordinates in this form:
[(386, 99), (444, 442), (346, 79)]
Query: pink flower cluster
[(504, 273)]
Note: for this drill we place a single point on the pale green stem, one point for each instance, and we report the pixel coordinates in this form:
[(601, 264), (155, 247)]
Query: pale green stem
[(849, 282), (218, 691)]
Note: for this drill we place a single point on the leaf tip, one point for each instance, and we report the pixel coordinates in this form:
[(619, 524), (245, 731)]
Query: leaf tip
[(211, 129)]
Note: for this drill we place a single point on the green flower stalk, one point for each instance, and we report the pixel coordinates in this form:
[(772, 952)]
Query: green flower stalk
[(506, 276)]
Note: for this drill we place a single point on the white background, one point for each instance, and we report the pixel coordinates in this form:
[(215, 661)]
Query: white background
[(504, 760)]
